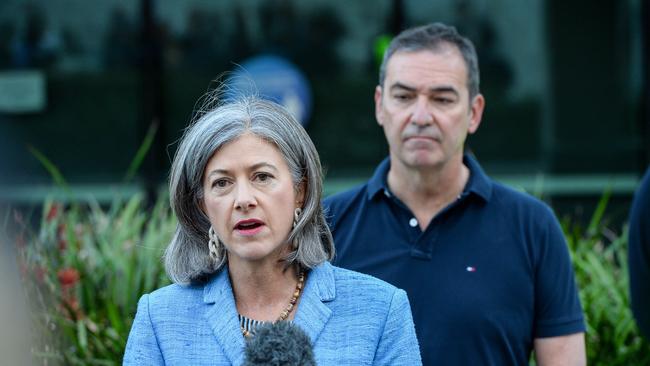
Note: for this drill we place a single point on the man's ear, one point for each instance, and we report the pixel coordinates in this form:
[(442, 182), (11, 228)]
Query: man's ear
[(378, 105), (476, 113)]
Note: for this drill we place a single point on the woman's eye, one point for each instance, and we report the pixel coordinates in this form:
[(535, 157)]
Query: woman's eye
[(220, 183), (263, 177)]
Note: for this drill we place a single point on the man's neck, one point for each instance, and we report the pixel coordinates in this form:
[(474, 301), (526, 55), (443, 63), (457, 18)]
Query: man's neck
[(427, 191)]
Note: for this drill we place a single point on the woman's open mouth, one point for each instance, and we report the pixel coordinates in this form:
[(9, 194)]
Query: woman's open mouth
[(249, 227)]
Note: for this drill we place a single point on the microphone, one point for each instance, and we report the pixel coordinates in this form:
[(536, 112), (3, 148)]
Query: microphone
[(279, 343)]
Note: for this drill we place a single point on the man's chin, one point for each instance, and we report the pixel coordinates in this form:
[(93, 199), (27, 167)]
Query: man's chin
[(423, 161)]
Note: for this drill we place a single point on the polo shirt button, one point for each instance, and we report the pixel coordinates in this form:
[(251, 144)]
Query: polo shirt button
[(413, 222)]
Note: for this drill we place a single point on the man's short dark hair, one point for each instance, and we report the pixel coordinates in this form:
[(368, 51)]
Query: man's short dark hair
[(432, 37)]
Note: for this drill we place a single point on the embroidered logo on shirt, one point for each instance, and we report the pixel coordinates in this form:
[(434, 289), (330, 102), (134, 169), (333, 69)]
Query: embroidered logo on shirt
[(470, 269)]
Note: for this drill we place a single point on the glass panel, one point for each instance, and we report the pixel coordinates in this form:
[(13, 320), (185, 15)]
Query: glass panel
[(83, 82), (85, 55)]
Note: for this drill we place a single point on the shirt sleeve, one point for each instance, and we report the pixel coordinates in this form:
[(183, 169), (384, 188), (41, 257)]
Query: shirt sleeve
[(398, 344), (142, 346), (639, 255), (557, 306)]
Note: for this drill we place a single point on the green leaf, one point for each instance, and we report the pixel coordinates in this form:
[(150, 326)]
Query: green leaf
[(114, 317), (82, 334), (55, 173), (597, 217), (142, 152)]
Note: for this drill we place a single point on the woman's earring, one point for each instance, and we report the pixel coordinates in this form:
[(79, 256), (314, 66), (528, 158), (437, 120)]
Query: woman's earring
[(213, 244), (296, 216)]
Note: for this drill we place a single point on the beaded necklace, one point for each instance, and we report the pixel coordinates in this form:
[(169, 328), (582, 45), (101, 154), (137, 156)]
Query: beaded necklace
[(292, 303)]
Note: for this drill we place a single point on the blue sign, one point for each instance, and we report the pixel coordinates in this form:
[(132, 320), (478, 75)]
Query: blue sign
[(274, 78)]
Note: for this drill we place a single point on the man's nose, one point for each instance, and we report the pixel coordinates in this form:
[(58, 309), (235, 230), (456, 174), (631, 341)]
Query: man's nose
[(421, 115)]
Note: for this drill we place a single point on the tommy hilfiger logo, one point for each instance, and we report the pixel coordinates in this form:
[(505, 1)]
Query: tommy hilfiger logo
[(470, 269)]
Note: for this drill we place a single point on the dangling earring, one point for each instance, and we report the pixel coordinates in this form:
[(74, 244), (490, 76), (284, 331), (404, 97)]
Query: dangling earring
[(213, 244), (296, 216)]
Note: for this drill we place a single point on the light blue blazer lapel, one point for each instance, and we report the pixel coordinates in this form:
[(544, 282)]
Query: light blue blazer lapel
[(222, 316), (312, 313)]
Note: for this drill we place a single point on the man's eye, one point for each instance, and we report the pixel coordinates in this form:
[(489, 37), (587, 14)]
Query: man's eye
[(402, 97), (442, 100)]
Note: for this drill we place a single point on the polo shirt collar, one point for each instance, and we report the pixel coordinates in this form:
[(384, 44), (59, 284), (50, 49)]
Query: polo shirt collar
[(378, 182), (479, 183)]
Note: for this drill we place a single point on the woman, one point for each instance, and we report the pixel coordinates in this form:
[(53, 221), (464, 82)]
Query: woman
[(252, 246)]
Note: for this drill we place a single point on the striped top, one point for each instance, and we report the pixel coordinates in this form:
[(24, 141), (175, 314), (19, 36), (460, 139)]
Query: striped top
[(248, 324)]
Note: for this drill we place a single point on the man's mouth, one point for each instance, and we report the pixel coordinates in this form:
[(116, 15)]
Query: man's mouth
[(423, 141), (421, 138)]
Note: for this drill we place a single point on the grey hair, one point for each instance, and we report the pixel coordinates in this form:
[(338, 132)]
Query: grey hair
[(432, 37), (187, 256)]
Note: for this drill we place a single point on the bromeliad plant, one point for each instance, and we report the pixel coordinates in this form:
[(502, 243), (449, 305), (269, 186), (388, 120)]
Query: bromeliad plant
[(600, 262), (88, 267)]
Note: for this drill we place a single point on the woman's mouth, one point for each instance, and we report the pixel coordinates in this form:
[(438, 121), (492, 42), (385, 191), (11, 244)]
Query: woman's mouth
[(249, 227)]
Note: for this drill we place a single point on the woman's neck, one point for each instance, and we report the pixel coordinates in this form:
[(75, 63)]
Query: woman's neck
[(263, 291)]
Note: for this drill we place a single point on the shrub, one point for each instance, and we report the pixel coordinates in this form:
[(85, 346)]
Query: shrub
[(88, 267), (600, 260)]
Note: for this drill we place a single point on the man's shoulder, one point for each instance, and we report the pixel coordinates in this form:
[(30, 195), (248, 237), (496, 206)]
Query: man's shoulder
[(337, 204), (518, 201), (344, 197)]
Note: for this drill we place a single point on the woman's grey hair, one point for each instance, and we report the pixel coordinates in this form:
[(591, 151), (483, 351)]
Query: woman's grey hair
[(187, 256), (432, 37)]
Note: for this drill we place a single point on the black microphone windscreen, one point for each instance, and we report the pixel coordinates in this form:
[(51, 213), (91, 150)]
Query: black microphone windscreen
[(279, 343)]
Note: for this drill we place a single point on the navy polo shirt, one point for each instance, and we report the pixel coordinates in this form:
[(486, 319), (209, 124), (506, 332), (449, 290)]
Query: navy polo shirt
[(489, 274)]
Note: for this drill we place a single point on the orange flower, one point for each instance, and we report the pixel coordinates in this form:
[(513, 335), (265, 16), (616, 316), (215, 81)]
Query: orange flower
[(69, 306), (61, 236), (53, 212), (68, 277)]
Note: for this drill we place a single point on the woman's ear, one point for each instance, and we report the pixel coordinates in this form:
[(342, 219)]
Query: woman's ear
[(300, 193), (201, 204)]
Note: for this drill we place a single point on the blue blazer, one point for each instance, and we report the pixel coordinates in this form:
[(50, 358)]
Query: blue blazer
[(351, 319)]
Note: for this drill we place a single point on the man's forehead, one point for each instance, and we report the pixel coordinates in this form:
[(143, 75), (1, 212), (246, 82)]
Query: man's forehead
[(412, 68), (449, 52)]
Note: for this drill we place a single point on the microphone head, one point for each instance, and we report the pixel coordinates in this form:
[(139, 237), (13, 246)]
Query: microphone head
[(279, 343)]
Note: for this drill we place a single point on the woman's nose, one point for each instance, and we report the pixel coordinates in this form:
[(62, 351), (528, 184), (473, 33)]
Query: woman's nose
[(245, 198)]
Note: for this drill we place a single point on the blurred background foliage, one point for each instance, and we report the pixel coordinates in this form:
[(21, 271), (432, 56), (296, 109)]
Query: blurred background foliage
[(86, 267)]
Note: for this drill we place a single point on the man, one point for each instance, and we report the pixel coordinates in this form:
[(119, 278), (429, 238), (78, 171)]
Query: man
[(486, 268), (639, 255)]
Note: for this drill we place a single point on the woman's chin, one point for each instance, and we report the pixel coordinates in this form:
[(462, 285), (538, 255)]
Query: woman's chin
[(255, 255)]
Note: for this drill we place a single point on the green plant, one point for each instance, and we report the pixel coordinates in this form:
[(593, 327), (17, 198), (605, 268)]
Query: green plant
[(89, 266), (600, 261)]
